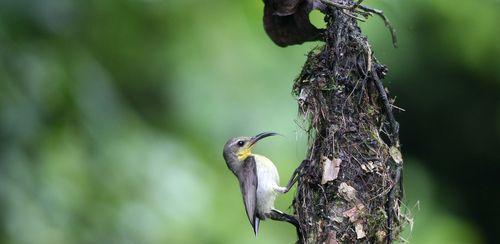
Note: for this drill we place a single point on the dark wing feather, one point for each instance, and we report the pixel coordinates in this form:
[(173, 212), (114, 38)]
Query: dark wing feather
[(285, 7), (294, 28), (247, 177)]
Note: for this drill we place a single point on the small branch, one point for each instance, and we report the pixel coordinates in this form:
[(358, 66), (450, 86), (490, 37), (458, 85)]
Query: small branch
[(366, 11), (357, 4), (388, 109), (390, 202), (388, 24)]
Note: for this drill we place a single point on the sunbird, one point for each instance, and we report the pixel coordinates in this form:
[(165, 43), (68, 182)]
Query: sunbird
[(259, 180), (287, 22)]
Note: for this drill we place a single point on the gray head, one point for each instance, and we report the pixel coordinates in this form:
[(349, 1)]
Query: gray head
[(237, 149)]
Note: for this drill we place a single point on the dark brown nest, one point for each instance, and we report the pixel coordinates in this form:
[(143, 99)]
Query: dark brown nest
[(350, 122)]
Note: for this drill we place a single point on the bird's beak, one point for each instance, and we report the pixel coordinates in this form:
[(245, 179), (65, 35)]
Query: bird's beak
[(260, 136)]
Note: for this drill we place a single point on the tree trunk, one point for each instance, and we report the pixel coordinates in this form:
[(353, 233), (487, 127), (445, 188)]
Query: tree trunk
[(350, 189)]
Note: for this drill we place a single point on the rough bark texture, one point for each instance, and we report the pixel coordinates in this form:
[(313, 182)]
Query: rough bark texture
[(352, 130)]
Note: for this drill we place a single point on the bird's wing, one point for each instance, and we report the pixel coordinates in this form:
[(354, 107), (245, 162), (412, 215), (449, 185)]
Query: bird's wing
[(292, 28), (285, 7), (247, 177)]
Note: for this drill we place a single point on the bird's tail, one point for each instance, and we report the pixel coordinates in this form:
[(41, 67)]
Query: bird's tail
[(256, 226)]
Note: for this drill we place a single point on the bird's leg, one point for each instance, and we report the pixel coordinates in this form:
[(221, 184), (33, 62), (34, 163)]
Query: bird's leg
[(280, 216), (293, 178)]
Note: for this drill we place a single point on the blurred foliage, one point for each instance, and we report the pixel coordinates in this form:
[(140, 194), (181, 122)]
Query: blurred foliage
[(113, 115)]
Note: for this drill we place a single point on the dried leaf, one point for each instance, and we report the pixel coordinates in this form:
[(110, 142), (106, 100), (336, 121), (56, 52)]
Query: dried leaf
[(349, 213), (360, 233), (364, 168), (303, 96), (347, 192), (396, 154), (380, 236), (330, 169), (368, 167), (354, 213)]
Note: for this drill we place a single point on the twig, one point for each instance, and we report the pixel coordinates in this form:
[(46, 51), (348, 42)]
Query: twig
[(381, 14), (390, 203), (383, 95), (353, 16), (398, 108), (345, 8), (357, 4), (332, 3), (367, 11)]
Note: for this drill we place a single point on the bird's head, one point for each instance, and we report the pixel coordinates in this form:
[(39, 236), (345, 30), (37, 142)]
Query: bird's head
[(239, 148)]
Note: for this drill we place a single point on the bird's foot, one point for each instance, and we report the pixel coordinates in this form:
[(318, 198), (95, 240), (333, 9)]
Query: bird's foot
[(295, 177), (280, 216)]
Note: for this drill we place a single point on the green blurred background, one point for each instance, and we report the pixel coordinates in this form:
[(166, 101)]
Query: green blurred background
[(113, 115)]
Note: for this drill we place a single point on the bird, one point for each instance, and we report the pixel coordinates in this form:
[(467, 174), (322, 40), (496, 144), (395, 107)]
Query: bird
[(287, 22), (259, 180)]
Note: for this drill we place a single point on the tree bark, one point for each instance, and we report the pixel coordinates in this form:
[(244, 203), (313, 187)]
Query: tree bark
[(350, 189)]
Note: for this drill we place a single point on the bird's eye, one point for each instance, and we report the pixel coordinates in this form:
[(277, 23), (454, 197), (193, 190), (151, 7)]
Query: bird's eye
[(241, 143)]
